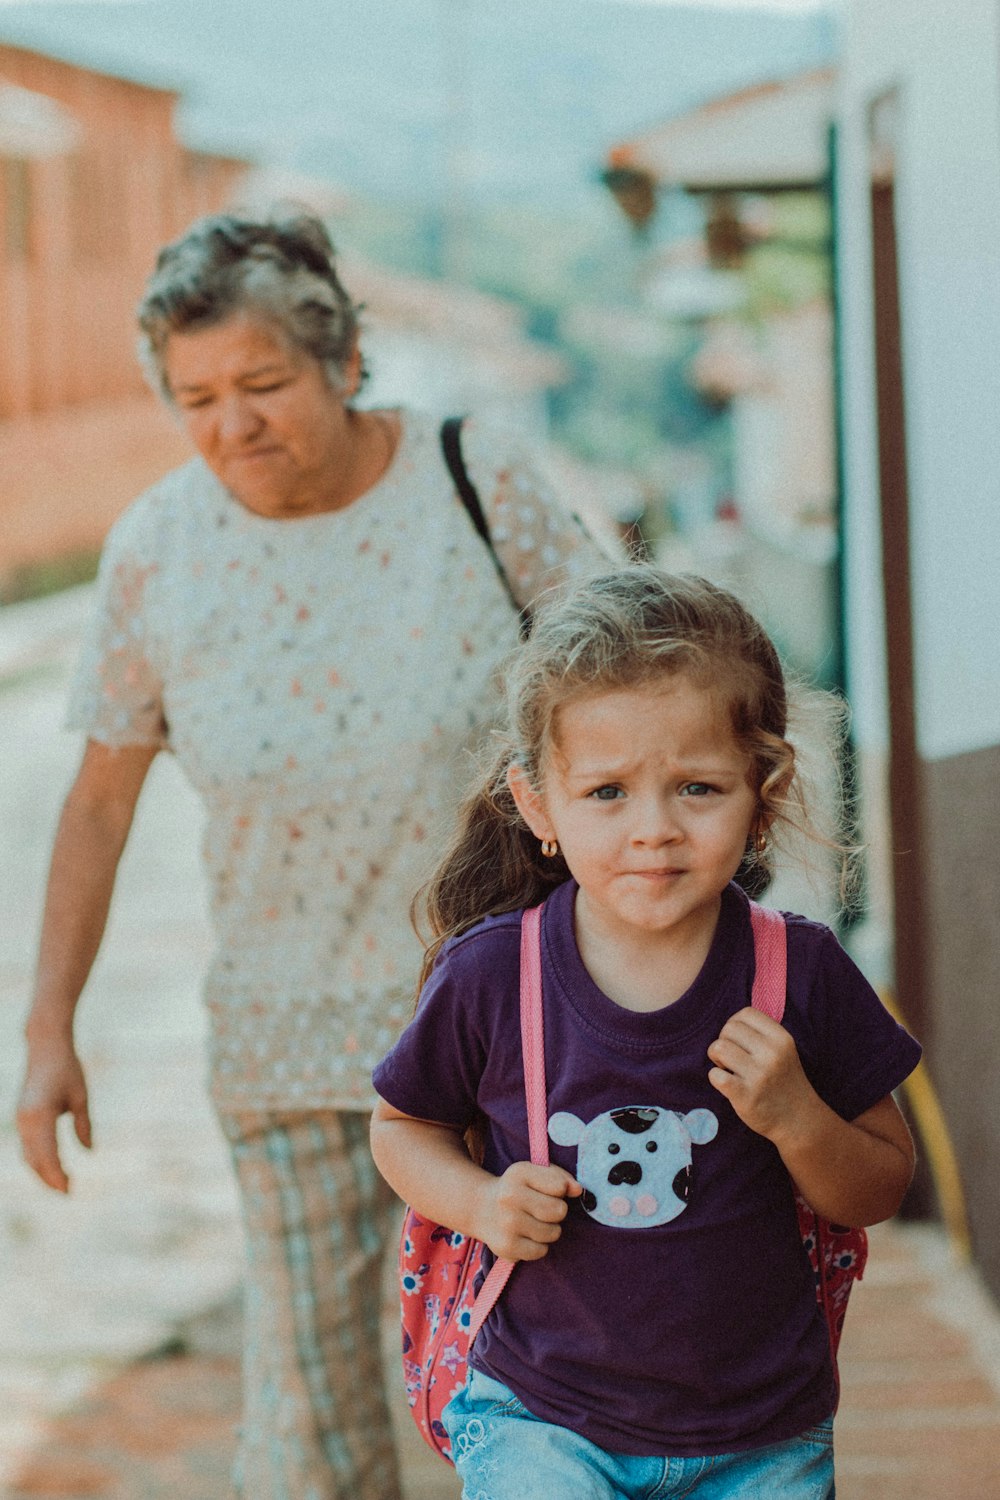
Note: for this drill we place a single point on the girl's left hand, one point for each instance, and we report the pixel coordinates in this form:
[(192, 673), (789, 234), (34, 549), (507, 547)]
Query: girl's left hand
[(757, 1068)]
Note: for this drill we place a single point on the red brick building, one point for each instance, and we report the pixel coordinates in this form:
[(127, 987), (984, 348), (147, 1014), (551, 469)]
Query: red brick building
[(92, 182)]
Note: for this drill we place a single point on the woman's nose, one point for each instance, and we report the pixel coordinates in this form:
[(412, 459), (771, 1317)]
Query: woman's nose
[(238, 419)]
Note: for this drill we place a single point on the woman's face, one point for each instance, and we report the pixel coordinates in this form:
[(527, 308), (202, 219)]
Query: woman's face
[(261, 413)]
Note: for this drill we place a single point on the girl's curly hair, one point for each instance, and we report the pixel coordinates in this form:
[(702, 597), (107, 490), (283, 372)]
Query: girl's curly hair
[(630, 628)]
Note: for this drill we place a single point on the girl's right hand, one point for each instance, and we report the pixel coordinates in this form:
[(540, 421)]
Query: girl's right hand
[(54, 1085), (523, 1210)]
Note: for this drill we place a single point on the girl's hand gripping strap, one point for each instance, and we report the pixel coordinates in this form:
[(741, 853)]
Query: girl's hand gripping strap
[(533, 1049), (770, 961), (830, 1247)]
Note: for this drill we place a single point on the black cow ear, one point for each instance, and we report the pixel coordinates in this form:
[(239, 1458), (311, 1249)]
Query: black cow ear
[(635, 1121)]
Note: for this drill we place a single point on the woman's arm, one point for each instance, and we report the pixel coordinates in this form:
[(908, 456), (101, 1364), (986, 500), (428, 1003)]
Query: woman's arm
[(89, 841), (518, 1215), (851, 1172)]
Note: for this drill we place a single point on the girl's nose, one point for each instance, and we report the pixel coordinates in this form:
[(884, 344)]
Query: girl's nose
[(656, 823)]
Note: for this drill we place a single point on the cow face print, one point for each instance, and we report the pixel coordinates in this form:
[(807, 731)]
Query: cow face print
[(634, 1164)]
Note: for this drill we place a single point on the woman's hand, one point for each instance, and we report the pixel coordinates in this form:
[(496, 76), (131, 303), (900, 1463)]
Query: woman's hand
[(54, 1085), (522, 1211), (92, 831)]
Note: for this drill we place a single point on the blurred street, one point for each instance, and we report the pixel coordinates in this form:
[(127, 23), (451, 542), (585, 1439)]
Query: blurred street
[(119, 1324), (148, 1233)]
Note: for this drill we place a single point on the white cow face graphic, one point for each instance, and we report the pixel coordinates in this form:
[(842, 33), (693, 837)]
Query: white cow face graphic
[(634, 1164)]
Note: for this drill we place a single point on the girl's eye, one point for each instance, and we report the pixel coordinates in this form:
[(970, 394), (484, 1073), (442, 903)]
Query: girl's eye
[(606, 793), (696, 789)]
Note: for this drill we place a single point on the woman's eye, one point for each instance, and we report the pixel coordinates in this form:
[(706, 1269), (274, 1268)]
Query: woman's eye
[(696, 789), (606, 793)]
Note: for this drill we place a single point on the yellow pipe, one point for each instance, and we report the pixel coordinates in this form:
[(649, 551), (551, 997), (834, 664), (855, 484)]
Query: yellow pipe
[(941, 1158)]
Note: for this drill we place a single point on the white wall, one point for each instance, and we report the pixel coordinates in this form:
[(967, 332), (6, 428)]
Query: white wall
[(944, 58)]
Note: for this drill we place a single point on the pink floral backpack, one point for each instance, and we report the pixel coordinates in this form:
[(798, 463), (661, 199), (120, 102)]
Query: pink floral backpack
[(837, 1253), (445, 1297)]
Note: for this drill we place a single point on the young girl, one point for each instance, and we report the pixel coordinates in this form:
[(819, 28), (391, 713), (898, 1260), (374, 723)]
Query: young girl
[(660, 1342)]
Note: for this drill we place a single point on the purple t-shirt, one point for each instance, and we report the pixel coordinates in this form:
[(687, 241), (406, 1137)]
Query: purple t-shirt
[(676, 1314)]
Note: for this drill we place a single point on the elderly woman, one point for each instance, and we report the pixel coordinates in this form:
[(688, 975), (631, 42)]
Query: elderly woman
[(306, 616)]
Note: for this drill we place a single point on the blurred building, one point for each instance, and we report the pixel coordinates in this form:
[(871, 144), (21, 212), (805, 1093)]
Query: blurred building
[(915, 186), (81, 438), (450, 349), (92, 182), (428, 343), (767, 360), (919, 235)]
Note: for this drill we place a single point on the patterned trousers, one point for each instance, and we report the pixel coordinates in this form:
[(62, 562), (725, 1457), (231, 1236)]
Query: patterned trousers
[(317, 1214)]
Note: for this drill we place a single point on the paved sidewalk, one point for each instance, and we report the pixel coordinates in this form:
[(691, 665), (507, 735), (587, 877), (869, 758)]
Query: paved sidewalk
[(920, 1414), (162, 1428), (920, 1417)]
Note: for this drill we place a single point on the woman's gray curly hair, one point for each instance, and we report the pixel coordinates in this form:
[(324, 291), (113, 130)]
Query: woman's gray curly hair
[(280, 268)]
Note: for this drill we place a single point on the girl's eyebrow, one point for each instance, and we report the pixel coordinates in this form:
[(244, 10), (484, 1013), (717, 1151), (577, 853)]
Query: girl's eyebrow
[(596, 770), (617, 771)]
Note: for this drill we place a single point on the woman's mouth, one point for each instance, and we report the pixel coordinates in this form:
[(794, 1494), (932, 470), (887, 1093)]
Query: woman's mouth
[(249, 455)]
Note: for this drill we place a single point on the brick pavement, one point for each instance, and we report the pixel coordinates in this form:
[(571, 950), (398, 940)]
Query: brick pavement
[(162, 1427), (920, 1418)]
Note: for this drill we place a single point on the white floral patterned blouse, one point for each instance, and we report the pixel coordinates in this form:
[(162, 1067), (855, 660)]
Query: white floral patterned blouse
[(320, 681)]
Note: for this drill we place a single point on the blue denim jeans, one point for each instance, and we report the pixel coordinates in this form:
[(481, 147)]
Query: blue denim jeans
[(502, 1452)]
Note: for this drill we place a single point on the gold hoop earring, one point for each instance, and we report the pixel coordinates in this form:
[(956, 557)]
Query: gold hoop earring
[(760, 843), (550, 847)]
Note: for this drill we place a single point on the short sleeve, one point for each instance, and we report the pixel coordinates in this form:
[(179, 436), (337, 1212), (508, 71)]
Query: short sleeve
[(116, 695), (433, 1071), (853, 1050), (538, 539)]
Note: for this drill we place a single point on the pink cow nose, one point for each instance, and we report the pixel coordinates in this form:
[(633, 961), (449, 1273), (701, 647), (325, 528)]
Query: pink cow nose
[(620, 1206)]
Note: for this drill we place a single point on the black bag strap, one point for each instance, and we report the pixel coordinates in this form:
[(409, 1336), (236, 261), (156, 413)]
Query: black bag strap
[(451, 446)]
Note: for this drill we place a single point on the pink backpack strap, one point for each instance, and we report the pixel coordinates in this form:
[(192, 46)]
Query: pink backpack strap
[(837, 1254), (533, 1050), (771, 962), (533, 1035)]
